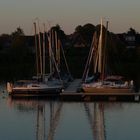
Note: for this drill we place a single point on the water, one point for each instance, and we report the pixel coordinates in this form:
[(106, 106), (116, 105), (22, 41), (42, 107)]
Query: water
[(53, 120)]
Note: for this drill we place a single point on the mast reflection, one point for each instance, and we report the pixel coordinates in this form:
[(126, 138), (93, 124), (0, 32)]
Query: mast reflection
[(54, 118), (96, 120), (40, 133)]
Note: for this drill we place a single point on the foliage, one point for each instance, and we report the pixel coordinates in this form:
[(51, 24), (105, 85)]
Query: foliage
[(17, 60), (59, 31), (18, 32), (85, 32), (131, 31)]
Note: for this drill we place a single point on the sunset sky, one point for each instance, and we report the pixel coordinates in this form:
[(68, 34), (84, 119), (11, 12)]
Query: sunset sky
[(122, 14)]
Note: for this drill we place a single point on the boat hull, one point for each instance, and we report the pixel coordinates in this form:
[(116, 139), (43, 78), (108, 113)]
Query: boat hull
[(106, 90), (33, 90), (45, 91)]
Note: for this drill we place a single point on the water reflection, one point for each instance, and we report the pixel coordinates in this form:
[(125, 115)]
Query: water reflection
[(96, 120), (94, 112), (55, 120), (40, 133), (39, 106)]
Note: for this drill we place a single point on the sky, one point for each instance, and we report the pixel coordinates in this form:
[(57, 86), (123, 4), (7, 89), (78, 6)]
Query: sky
[(121, 14)]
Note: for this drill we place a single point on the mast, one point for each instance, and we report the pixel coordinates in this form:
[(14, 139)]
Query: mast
[(100, 49), (37, 64), (52, 48), (44, 53), (95, 56), (49, 40), (40, 51), (90, 56), (59, 49), (56, 48), (104, 50), (53, 60), (63, 55), (58, 52)]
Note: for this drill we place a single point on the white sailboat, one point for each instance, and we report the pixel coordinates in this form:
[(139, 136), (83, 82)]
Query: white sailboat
[(41, 84), (102, 82)]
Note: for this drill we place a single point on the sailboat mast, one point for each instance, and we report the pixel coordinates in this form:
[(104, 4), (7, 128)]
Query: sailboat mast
[(100, 49), (63, 54), (50, 46), (56, 48), (44, 53), (104, 50), (37, 64), (54, 60), (58, 52), (40, 50), (90, 56), (96, 56)]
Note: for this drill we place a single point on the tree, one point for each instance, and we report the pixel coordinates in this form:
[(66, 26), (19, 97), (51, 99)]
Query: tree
[(78, 28), (131, 31), (85, 32), (18, 32), (61, 34), (19, 47)]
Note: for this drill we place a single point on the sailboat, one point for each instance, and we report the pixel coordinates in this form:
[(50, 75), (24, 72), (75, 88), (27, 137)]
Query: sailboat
[(41, 84), (101, 81)]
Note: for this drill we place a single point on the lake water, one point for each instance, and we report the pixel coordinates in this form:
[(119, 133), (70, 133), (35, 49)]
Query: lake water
[(53, 120)]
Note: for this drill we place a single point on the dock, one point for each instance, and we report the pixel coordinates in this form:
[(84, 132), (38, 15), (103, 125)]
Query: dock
[(73, 86)]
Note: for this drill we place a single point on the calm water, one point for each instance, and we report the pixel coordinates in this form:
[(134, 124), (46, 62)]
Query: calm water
[(54, 120)]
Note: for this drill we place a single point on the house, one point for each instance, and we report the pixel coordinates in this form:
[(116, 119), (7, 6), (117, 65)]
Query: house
[(130, 41)]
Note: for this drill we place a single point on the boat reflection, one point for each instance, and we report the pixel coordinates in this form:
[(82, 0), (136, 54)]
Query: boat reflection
[(47, 117), (39, 106), (40, 133), (95, 115), (54, 119)]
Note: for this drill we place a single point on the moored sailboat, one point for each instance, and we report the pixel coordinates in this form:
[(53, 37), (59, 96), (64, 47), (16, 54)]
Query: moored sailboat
[(101, 81), (42, 83)]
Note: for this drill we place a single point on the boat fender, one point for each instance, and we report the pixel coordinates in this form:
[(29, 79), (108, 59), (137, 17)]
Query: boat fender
[(9, 87)]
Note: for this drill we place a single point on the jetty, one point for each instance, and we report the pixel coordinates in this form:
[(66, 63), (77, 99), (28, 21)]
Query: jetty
[(73, 86)]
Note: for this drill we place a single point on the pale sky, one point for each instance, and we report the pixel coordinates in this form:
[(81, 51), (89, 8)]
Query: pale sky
[(122, 14)]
